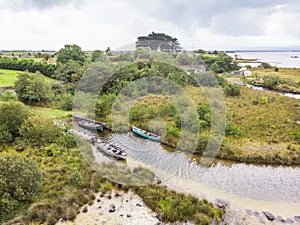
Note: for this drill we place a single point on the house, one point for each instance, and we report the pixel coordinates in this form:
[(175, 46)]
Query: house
[(242, 72), (193, 68)]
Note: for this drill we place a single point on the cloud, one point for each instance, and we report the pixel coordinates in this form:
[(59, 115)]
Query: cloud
[(97, 24), (23, 5)]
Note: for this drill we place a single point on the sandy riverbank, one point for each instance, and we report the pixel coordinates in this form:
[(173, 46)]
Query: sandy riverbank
[(129, 209)]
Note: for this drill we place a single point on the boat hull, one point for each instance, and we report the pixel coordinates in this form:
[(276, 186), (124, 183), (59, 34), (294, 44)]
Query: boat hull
[(105, 151), (139, 132), (91, 127)]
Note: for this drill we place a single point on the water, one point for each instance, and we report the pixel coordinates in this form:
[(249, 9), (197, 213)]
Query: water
[(259, 188), (279, 59)]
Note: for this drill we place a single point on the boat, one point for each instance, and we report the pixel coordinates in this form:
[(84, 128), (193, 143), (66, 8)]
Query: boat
[(111, 149), (90, 125), (145, 134)]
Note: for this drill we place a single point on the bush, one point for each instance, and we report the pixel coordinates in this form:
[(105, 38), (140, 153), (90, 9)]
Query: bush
[(13, 114), (232, 131), (31, 88), (266, 65), (39, 131), (20, 178), (232, 90), (204, 115)]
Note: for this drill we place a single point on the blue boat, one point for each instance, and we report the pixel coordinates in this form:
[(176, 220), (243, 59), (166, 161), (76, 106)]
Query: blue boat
[(145, 134)]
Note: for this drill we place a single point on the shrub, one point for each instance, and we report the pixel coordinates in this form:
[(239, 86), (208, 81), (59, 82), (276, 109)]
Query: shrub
[(20, 178), (204, 115), (39, 131), (266, 65), (13, 114), (232, 90), (233, 131)]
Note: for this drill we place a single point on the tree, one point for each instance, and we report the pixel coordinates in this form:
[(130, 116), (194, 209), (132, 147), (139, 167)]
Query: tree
[(13, 114), (159, 41), (108, 51), (69, 71), (71, 52), (31, 88), (184, 59), (96, 55), (143, 53), (20, 179), (38, 130)]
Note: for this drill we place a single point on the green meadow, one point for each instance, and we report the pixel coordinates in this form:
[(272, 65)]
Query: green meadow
[(8, 77)]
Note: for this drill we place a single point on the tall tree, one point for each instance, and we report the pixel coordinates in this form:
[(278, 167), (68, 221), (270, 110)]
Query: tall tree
[(71, 52), (31, 88), (159, 42)]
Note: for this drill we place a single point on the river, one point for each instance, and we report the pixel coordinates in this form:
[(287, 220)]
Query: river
[(253, 188)]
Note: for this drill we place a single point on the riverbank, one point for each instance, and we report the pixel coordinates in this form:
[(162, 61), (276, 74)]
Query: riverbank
[(116, 207)]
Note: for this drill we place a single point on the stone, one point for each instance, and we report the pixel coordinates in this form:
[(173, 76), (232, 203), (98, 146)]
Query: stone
[(20, 149), (249, 212), (269, 215), (297, 219), (112, 208), (289, 220)]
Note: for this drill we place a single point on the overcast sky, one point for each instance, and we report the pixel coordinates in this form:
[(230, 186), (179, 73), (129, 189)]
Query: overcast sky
[(96, 24)]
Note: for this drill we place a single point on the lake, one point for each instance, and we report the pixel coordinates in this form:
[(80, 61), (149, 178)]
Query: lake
[(279, 59)]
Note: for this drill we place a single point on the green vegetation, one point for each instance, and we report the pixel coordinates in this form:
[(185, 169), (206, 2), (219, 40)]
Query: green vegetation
[(20, 179), (161, 41), (173, 207), (27, 65), (32, 89), (8, 77), (71, 52)]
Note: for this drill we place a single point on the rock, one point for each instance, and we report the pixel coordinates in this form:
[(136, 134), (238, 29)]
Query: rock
[(20, 149), (269, 216), (138, 204), (249, 212), (256, 213), (297, 219), (289, 220), (112, 208), (128, 215), (280, 219), (221, 204), (159, 217)]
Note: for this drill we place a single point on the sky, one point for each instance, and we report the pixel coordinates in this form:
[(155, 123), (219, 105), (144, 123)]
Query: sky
[(97, 24)]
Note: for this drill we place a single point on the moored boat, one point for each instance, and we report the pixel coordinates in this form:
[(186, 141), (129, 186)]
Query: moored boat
[(145, 134), (90, 126), (111, 150)]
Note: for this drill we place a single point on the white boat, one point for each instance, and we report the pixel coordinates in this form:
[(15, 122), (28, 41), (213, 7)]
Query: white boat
[(111, 149)]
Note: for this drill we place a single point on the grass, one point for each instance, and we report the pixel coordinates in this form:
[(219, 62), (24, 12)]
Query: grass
[(268, 124), (285, 73), (51, 113), (8, 77)]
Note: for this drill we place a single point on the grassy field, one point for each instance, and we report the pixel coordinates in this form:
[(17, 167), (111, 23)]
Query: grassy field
[(51, 113), (286, 73), (268, 125), (8, 77)]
